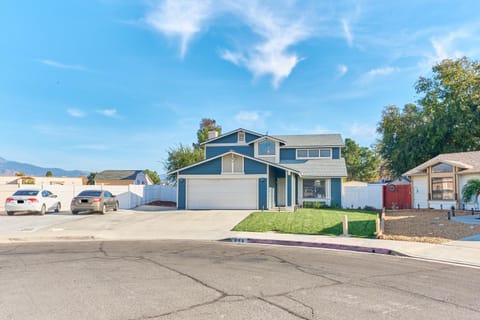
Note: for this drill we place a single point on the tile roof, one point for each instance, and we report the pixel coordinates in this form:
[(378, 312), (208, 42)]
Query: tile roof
[(469, 161), (117, 175), (318, 167), (311, 140)]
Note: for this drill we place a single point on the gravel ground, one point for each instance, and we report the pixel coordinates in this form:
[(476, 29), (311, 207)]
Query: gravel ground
[(425, 226)]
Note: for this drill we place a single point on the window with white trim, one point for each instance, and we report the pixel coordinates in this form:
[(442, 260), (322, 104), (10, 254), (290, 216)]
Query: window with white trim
[(314, 188), (232, 164), (442, 188), (266, 148), (241, 136), (314, 153)]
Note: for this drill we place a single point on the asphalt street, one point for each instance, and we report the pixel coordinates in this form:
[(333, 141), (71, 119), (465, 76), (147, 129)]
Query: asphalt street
[(219, 280)]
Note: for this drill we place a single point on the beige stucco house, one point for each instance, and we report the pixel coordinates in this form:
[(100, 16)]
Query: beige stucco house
[(438, 182)]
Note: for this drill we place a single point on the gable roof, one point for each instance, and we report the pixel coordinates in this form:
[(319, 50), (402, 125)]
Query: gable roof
[(229, 133), (318, 167), (469, 161), (311, 140), (238, 154), (117, 175)]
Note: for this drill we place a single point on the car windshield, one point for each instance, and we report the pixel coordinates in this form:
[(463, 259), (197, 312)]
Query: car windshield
[(26, 193), (90, 193)]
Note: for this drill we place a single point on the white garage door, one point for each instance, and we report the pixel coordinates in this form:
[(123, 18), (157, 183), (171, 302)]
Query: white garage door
[(222, 194)]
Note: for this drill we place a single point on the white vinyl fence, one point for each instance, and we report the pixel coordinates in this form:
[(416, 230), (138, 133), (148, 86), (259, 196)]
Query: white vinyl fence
[(128, 197), (360, 196)]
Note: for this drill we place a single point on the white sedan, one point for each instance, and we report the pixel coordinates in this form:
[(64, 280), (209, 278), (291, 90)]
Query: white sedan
[(32, 200)]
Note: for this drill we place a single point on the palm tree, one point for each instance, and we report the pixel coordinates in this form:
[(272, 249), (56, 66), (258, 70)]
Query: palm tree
[(471, 188)]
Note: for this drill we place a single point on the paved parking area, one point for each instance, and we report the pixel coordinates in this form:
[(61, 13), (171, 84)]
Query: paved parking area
[(163, 223), (29, 222)]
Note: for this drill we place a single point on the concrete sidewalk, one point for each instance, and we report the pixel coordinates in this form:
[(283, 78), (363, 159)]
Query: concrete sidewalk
[(216, 225)]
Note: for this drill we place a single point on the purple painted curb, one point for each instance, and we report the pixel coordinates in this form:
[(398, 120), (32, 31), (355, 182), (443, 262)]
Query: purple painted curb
[(314, 245)]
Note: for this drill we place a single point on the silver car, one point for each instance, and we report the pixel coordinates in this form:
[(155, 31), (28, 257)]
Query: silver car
[(94, 201)]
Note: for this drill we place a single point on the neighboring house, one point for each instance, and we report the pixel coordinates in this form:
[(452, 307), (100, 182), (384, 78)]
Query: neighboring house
[(122, 177), (438, 183), (78, 181), (248, 170)]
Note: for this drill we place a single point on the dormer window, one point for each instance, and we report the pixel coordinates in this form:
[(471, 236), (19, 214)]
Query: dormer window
[(266, 148), (241, 137), (314, 153)]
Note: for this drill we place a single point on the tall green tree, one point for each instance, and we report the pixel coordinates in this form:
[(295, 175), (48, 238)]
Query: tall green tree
[(49, 174), (153, 175), (206, 125), (447, 118), (182, 156), (362, 163)]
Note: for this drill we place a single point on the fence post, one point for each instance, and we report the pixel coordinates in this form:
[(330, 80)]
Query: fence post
[(382, 221), (345, 226)]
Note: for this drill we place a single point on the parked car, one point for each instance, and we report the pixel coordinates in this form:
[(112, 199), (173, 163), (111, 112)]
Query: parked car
[(94, 201), (32, 200)]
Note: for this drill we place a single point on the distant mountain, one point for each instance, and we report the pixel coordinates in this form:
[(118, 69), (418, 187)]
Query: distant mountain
[(9, 168)]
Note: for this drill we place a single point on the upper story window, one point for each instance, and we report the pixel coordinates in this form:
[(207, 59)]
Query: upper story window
[(232, 164), (313, 153), (266, 148), (241, 136), (442, 168)]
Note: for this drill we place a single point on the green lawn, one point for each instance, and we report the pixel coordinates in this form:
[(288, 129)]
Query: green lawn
[(311, 221)]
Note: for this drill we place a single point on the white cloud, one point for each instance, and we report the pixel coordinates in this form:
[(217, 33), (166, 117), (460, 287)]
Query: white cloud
[(382, 71), (180, 18), (278, 32), (362, 132), (60, 65), (342, 70), (96, 147), (251, 119), (347, 32), (112, 113), (76, 113)]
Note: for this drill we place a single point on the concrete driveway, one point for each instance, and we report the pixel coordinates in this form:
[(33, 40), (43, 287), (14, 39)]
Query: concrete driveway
[(140, 224)]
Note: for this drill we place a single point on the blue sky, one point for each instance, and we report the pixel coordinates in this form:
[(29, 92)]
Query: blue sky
[(113, 84)]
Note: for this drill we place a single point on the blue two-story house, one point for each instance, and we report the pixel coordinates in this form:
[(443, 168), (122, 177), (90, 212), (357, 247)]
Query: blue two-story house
[(248, 170)]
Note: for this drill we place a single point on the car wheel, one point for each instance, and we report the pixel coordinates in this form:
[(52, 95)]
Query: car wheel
[(115, 207), (10, 213), (74, 212), (43, 210), (59, 207), (104, 209)]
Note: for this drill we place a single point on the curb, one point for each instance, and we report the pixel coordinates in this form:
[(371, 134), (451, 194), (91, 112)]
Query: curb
[(315, 245)]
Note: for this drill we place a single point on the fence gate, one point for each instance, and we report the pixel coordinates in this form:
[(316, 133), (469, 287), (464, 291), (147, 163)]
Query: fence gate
[(397, 196)]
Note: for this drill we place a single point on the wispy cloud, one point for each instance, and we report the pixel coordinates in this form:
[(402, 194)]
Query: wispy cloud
[(341, 70), (278, 32), (180, 19), (251, 119), (76, 113), (56, 64), (346, 30), (362, 132), (382, 71), (112, 113), (96, 147)]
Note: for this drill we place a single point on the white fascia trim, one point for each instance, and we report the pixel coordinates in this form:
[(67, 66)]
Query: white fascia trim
[(233, 144), (223, 176)]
